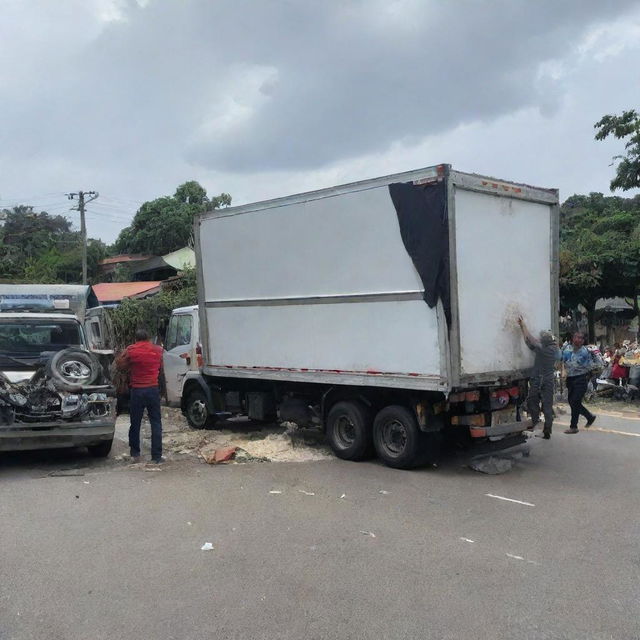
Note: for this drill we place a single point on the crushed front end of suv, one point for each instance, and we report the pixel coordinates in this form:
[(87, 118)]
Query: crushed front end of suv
[(53, 391)]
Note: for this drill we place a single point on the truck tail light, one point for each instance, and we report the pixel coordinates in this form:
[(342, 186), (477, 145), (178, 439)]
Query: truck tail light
[(199, 358)]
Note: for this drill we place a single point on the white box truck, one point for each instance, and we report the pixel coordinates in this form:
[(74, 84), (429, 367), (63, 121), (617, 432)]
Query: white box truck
[(383, 310)]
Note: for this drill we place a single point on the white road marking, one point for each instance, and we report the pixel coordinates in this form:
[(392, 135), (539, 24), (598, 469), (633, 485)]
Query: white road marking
[(527, 504), (468, 540), (306, 493), (601, 429), (275, 492), (510, 555), (620, 433)]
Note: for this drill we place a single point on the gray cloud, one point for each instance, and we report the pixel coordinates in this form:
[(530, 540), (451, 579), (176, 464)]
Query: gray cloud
[(171, 90), (246, 86)]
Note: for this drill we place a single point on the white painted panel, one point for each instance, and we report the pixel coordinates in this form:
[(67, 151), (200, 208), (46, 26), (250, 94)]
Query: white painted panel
[(337, 245), (395, 337), (503, 263)]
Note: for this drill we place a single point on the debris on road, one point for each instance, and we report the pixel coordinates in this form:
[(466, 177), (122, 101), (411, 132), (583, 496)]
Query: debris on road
[(383, 492), (491, 465), (368, 533), (275, 492), (344, 495), (213, 455), (306, 493), (252, 442), (207, 546), (468, 540)]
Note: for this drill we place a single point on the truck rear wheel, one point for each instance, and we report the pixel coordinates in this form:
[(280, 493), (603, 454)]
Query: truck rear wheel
[(397, 438), (349, 430), (197, 411)]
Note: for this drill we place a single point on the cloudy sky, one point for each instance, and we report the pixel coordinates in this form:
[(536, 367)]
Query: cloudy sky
[(263, 98)]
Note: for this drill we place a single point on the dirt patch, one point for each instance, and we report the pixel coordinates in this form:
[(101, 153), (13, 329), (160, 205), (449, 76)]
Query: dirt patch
[(272, 443)]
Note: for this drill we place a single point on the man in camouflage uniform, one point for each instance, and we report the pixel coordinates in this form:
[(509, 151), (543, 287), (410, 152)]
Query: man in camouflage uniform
[(542, 380)]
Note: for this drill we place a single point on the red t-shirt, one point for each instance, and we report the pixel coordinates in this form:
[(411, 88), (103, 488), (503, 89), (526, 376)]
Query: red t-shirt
[(145, 361)]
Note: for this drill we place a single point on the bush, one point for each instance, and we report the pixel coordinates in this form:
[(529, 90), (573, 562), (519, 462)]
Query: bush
[(153, 313)]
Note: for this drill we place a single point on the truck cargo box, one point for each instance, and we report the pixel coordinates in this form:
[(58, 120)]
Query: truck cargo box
[(412, 281)]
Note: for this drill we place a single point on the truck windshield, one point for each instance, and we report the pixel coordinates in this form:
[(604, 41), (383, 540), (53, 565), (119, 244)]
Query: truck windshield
[(30, 337)]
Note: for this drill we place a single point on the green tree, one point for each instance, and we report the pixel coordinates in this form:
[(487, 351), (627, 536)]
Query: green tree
[(165, 224), (623, 126), (599, 250), (153, 313), (38, 247)]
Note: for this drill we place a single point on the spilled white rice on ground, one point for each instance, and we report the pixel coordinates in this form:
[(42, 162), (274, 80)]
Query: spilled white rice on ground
[(273, 443)]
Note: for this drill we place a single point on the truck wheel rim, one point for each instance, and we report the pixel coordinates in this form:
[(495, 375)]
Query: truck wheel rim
[(345, 431), (394, 437), (75, 371), (198, 412)]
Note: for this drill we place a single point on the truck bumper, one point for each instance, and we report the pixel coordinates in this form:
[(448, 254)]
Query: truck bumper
[(54, 435), (509, 429)]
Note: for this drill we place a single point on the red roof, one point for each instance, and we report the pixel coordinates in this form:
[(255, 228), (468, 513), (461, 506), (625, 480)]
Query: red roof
[(116, 291)]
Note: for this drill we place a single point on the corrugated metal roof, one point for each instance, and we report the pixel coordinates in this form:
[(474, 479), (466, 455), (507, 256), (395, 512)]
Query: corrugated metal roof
[(115, 291), (125, 257)]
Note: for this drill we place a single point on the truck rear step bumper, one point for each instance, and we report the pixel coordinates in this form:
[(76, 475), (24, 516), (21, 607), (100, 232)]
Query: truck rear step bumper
[(511, 428)]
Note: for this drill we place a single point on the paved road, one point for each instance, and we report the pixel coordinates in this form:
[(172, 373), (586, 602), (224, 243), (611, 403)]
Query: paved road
[(115, 553)]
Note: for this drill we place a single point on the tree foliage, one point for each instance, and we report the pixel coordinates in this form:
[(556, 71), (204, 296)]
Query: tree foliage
[(41, 248), (165, 224), (623, 126), (599, 250), (153, 313)]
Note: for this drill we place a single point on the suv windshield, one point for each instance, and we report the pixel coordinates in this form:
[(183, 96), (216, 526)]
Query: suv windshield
[(30, 337)]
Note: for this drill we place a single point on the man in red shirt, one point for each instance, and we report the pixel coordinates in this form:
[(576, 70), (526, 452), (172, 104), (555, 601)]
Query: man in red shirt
[(143, 361)]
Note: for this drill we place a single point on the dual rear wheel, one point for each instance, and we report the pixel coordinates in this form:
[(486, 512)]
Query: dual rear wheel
[(394, 435)]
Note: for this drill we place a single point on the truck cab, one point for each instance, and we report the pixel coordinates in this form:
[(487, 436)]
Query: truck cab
[(182, 353)]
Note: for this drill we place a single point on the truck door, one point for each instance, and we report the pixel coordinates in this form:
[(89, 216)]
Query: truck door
[(505, 257), (179, 354)]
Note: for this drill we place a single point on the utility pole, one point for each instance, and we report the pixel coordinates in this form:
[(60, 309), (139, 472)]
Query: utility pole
[(84, 197)]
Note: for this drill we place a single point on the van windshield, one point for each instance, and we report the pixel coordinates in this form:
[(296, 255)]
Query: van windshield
[(31, 337)]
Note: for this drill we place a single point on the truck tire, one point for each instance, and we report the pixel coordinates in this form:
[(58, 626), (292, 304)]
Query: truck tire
[(197, 411), (73, 368), (397, 438), (101, 450), (348, 430)]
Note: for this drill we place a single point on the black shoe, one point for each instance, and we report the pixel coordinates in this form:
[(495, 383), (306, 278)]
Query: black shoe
[(546, 435), (159, 460), (572, 430), (591, 420)]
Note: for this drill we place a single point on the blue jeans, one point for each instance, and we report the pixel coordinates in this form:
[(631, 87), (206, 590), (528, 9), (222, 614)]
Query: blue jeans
[(146, 398)]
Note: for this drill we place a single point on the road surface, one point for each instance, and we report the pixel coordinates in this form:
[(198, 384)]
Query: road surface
[(326, 549)]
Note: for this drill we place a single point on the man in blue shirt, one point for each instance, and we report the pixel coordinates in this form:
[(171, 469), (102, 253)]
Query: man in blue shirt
[(577, 364)]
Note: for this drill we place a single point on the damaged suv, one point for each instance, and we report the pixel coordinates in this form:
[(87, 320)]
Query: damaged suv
[(54, 392)]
